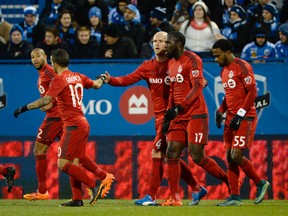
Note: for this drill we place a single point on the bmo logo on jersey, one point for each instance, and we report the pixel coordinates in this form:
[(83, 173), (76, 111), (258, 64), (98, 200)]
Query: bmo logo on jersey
[(136, 105), (160, 80)]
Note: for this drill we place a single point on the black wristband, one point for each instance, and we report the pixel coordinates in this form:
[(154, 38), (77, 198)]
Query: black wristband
[(24, 108), (103, 79)]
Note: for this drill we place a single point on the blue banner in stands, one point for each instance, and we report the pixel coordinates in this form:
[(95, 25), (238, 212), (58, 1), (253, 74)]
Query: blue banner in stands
[(128, 111)]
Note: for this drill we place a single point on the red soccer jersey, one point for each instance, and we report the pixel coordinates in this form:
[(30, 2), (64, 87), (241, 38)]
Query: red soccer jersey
[(157, 79), (46, 74), (186, 77), (68, 89), (236, 77)]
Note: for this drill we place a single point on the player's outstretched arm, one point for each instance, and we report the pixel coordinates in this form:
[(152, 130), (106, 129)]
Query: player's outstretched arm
[(34, 105)]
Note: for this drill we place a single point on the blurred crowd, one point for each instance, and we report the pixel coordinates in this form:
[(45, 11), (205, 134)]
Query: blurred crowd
[(98, 29)]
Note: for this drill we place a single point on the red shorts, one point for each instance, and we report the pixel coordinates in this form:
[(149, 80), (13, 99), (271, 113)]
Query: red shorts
[(159, 143), (73, 142), (241, 138), (50, 129), (195, 131)]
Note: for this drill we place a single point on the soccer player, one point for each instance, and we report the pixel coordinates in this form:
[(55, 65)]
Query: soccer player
[(151, 70), (8, 173), (240, 92), (51, 127), (186, 119), (67, 89)]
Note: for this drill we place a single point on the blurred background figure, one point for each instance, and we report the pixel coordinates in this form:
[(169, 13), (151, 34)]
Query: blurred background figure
[(116, 46), (52, 41), (282, 45), (269, 22), (200, 32), (33, 30), (50, 12), (96, 24), (67, 27), (132, 28), (17, 48), (85, 47), (236, 30), (260, 48), (5, 28)]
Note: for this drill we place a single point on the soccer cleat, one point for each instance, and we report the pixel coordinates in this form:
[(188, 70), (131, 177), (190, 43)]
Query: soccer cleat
[(231, 202), (146, 201), (36, 196), (9, 177), (106, 184), (171, 202), (261, 190), (196, 197), (94, 193), (73, 203)]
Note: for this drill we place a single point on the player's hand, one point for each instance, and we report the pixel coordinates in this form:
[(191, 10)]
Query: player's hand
[(173, 112), (47, 107), (219, 119), (107, 76), (20, 110), (165, 126), (235, 122)]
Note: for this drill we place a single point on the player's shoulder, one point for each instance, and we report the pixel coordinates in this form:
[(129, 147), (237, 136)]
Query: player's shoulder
[(242, 65), (47, 71)]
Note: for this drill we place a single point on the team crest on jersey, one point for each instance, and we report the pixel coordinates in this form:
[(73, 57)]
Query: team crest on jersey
[(248, 80), (180, 69), (262, 101), (195, 73), (267, 52)]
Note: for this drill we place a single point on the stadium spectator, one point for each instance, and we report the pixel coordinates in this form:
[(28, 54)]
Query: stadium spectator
[(260, 48), (241, 119), (72, 157), (132, 28), (284, 12), (33, 30), (17, 48), (158, 20), (85, 8), (186, 118), (116, 14), (50, 12), (237, 30), (8, 173), (222, 12), (269, 22), (96, 24), (52, 41), (5, 28), (85, 46), (200, 31), (67, 27), (178, 19), (116, 46), (282, 45), (156, 68)]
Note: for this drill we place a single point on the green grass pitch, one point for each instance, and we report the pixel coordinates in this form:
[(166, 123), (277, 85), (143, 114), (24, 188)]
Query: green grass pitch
[(117, 207)]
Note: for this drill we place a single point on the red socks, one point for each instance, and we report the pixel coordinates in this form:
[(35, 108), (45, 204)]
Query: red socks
[(214, 169), (41, 168), (187, 176), (233, 173), (156, 176), (173, 172), (91, 166), (76, 187), (249, 170), (79, 174)]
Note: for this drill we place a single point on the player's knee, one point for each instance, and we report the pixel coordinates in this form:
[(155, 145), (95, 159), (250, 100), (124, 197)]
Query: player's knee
[(236, 157)]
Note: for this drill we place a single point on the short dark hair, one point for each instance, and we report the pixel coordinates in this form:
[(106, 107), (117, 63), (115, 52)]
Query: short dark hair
[(223, 44), (178, 36), (60, 57)]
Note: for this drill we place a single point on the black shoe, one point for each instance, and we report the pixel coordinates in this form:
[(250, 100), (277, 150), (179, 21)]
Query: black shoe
[(10, 178), (73, 203), (95, 193)]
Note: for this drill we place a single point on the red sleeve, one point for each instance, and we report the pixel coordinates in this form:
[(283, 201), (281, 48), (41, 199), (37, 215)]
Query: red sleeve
[(131, 78), (223, 106), (56, 86), (250, 98), (196, 78), (87, 82)]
